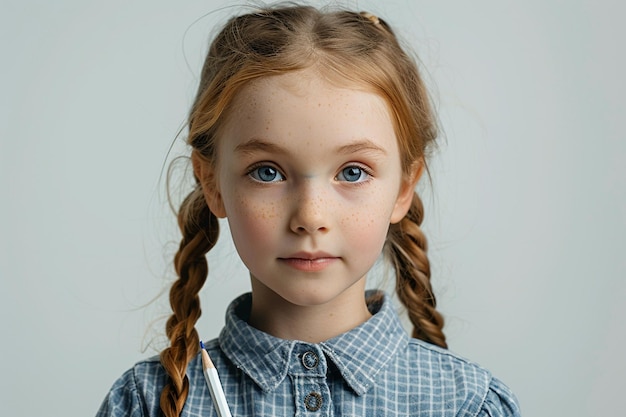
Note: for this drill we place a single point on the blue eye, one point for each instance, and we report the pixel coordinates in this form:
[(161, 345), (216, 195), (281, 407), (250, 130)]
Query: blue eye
[(266, 173), (352, 174)]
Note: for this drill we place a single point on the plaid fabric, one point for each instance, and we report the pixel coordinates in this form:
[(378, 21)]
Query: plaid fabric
[(372, 370)]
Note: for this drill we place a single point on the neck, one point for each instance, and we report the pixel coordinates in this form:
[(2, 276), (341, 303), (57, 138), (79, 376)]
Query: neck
[(313, 323)]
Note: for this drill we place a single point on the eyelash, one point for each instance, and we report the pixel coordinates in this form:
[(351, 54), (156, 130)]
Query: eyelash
[(365, 170), (255, 167)]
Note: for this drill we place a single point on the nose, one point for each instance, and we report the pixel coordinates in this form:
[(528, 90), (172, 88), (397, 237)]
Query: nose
[(309, 211)]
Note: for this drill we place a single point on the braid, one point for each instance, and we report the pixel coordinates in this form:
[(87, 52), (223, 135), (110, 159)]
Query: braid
[(407, 250), (200, 230)]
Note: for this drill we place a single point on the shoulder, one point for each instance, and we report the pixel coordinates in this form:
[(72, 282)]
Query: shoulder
[(136, 392), (461, 383)]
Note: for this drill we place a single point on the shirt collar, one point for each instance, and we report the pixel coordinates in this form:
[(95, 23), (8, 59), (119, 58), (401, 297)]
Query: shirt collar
[(359, 354)]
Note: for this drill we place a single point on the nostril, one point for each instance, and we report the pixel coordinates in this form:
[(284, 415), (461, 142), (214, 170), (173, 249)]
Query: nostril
[(308, 215)]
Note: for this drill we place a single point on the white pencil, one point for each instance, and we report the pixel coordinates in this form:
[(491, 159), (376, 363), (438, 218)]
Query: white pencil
[(215, 386)]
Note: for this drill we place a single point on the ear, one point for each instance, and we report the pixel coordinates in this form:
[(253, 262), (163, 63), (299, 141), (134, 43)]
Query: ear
[(205, 173), (405, 195)]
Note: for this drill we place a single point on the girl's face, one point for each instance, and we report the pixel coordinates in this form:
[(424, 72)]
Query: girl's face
[(309, 177)]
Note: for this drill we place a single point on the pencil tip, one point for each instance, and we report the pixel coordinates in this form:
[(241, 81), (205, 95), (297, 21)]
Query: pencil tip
[(201, 345), (206, 360)]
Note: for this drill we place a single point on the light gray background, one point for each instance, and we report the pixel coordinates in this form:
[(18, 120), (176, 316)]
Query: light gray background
[(526, 215)]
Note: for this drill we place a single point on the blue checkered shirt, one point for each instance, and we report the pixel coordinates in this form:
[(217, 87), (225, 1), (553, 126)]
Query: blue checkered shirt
[(374, 369)]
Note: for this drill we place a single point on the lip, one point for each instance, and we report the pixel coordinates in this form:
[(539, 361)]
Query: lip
[(309, 261)]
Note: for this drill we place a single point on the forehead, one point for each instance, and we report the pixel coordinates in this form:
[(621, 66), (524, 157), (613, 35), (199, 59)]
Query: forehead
[(304, 101)]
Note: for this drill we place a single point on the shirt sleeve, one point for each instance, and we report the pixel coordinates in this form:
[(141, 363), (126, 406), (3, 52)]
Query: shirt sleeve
[(123, 399), (500, 402)]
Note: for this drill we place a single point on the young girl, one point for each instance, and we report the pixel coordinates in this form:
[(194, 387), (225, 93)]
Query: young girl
[(309, 133)]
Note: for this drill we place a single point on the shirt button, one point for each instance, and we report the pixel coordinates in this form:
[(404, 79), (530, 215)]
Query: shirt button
[(313, 401), (310, 360)]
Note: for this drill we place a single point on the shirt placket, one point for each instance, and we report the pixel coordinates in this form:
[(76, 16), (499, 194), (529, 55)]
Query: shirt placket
[(308, 373)]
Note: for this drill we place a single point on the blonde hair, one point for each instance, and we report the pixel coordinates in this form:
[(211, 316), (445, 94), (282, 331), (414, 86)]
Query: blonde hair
[(346, 47)]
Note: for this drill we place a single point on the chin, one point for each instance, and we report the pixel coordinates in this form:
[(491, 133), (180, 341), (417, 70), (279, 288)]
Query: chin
[(321, 295)]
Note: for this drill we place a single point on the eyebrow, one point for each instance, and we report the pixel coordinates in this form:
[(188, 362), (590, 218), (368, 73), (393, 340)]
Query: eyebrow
[(255, 145), (360, 146), (259, 145)]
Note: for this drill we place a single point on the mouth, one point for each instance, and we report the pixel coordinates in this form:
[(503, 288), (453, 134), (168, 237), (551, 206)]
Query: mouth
[(309, 262)]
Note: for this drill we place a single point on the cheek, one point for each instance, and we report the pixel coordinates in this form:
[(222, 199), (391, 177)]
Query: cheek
[(251, 222), (365, 224)]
